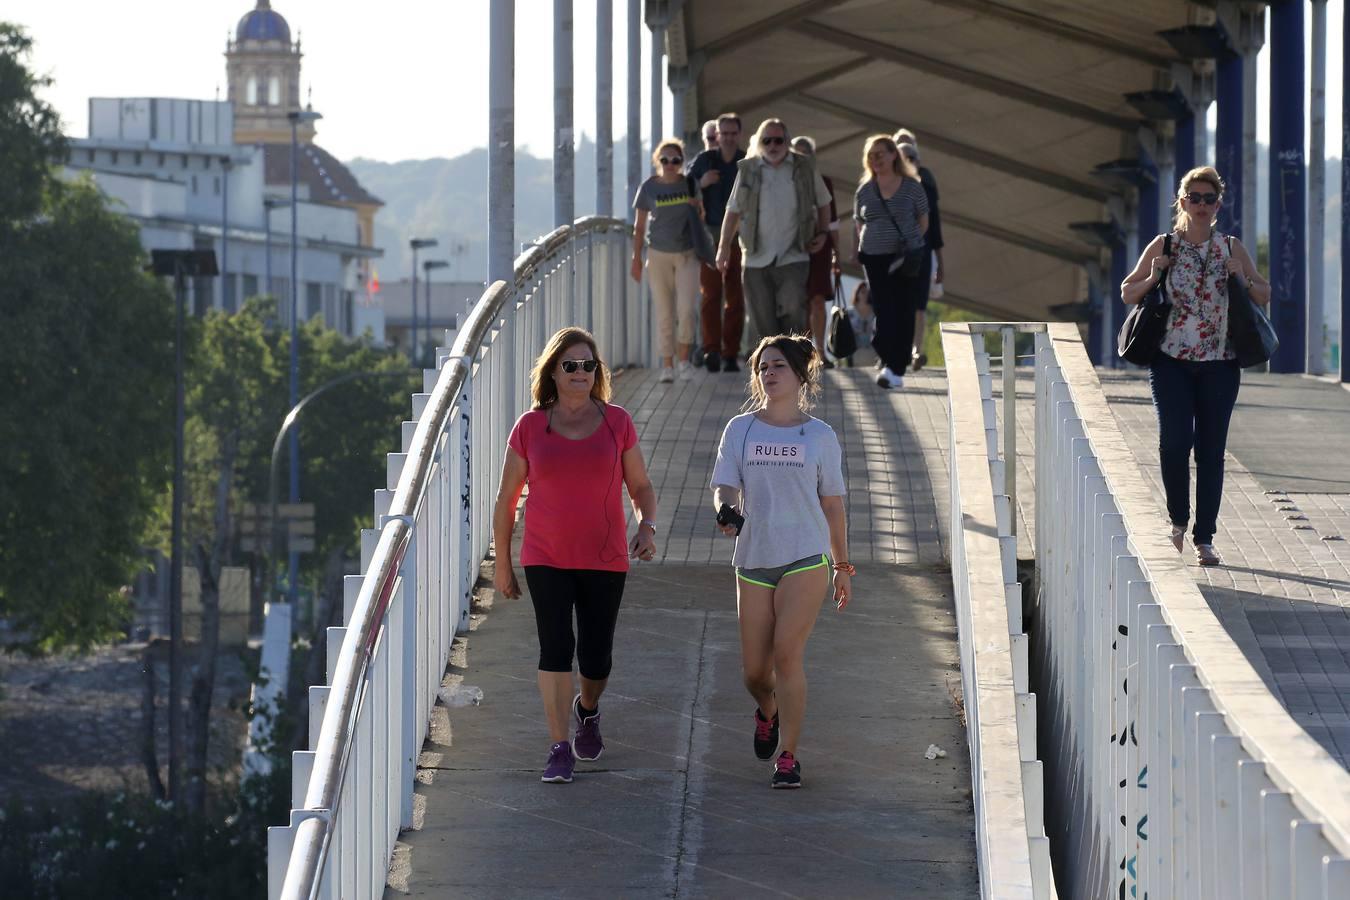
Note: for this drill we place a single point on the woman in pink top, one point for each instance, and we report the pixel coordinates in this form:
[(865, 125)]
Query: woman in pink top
[(1195, 376), (576, 451)]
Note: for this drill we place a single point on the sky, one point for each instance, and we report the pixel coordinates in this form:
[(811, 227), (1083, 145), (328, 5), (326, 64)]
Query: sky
[(408, 83)]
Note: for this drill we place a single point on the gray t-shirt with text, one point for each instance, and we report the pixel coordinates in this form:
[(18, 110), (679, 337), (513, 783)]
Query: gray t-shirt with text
[(781, 472), (668, 213)]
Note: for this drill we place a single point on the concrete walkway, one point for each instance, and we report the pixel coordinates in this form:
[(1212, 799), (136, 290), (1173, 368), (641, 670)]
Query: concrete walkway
[(679, 806)]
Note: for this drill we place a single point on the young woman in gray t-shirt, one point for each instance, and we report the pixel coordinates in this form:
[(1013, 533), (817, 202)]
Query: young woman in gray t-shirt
[(780, 469)]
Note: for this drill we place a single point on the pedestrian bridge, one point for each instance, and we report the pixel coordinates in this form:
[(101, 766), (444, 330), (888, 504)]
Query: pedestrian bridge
[(1095, 729)]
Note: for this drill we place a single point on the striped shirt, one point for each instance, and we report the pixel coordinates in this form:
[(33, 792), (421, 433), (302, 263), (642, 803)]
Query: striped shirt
[(878, 233)]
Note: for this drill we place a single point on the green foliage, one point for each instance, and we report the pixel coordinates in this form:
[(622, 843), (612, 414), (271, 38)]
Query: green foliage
[(938, 313), (85, 417), (119, 846), (30, 130)]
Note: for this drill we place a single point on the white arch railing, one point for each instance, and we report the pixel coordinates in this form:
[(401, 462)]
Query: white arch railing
[(353, 787), (1012, 850)]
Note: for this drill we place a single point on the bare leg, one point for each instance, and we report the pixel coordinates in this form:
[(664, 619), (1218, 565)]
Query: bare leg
[(682, 351), (556, 690), (754, 608), (797, 602), (815, 311), (590, 692)]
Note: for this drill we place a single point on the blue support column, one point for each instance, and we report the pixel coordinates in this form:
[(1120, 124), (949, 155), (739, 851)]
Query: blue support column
[(1228, 146), (1095, 301), (1345, 206), (1288, 193), (1149, 210), (1120, 267), (1185, 145)]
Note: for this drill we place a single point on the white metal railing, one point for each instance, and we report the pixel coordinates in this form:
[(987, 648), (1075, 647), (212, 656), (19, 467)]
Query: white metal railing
[(352, 790), (1173, 770), (1007, 778)]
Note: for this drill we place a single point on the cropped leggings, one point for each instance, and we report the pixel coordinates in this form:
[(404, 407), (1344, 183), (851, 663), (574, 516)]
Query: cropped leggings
[(595, 596)]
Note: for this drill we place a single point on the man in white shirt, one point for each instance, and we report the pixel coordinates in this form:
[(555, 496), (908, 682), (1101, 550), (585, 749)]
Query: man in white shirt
[(780, 210)]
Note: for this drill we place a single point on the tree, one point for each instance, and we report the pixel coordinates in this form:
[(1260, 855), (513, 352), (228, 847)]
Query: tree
[(85, 417), (30, 130)]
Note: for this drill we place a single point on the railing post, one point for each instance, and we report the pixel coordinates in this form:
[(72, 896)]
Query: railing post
[(406, 594), (1010, 419)]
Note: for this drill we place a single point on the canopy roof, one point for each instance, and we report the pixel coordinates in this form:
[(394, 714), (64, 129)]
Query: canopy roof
[(1016, 103)]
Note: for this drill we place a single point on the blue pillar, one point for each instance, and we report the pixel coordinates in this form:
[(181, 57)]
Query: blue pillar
[(1120, 267), (1149, 209), (1185, 145), (1345, 206), (1288, 193), (1095, 301), (1228, 146)]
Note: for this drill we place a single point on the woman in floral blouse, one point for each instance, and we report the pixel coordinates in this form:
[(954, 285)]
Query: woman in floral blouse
[(1195, 376)]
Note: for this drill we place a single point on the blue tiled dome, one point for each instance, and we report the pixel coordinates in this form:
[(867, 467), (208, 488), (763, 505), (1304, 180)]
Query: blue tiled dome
[(263, 24)]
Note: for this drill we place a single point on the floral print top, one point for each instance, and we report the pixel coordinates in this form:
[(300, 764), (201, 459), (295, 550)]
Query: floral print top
[(1197, 285)]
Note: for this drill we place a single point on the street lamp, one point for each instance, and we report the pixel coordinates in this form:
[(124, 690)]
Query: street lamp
[(297, 117), (416, 244), (269, 204), (181, 264), (426, 277)]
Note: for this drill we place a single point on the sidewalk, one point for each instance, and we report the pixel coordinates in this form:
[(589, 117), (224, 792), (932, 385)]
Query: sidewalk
[(1284, 531), (679, 806)]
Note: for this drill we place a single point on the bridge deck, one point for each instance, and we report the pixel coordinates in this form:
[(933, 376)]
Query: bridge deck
[(679, 806)]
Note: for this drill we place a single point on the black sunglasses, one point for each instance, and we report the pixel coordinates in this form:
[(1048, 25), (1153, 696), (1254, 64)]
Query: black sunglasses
[(772, 141), (1207, 199), (587, 365), (672, 161)]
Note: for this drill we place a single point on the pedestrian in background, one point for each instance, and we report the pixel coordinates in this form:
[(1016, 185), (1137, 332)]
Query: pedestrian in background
[(823, 264), (780, 212), (909, 146), (710, 134), (664, 222), (577, 452), (890, 211), (722, 311), (1195, 375)]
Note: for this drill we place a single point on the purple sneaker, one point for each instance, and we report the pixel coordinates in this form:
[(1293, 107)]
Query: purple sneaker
[(587, 742), (561, 762)]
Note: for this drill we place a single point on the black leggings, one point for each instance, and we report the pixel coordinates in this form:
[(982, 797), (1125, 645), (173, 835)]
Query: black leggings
[(596, 596), (894, 298)]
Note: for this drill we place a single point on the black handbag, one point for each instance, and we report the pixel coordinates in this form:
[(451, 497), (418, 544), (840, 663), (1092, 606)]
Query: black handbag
[(1249, 331), (840, 339), (1142, 331)]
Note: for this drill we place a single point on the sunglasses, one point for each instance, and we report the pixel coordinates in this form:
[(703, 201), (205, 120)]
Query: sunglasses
[(672, 161), (586, 365), (1206, 199), (772, 141)]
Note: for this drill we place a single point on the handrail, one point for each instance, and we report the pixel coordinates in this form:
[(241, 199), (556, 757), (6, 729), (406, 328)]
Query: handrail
[(1317, 783), (314, 822)]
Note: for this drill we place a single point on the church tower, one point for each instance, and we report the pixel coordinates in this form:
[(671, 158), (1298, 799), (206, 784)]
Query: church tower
[(263, 68)]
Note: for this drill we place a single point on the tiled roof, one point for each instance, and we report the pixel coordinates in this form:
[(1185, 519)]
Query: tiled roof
[(329, 181)]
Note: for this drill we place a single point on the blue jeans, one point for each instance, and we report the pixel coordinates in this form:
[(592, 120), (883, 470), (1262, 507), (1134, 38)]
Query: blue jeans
[(1194, 402)]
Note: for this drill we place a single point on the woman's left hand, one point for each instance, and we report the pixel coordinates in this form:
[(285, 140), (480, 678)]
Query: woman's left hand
[(1234, 266), (643, 546), (843, 589)]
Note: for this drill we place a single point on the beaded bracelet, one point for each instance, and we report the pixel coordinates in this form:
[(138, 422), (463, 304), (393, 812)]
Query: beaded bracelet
[(845, 567)]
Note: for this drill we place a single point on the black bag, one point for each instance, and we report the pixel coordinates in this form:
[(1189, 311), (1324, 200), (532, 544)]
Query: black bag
[(908, 262), (840, 339), (1144, 326), (698, 232), (1250, 332)]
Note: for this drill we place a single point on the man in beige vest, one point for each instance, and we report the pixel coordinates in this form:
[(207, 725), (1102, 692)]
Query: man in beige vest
[(781, 209)]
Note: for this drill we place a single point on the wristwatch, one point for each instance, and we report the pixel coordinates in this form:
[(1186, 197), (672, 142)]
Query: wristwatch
[(649, 523)]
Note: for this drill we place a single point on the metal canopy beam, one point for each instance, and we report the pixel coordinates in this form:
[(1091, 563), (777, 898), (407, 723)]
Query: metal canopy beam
[(1008, 236), (1029, 21), (764, 27), (850, 138), (818, 78), (1017, 168), (961, 75)]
